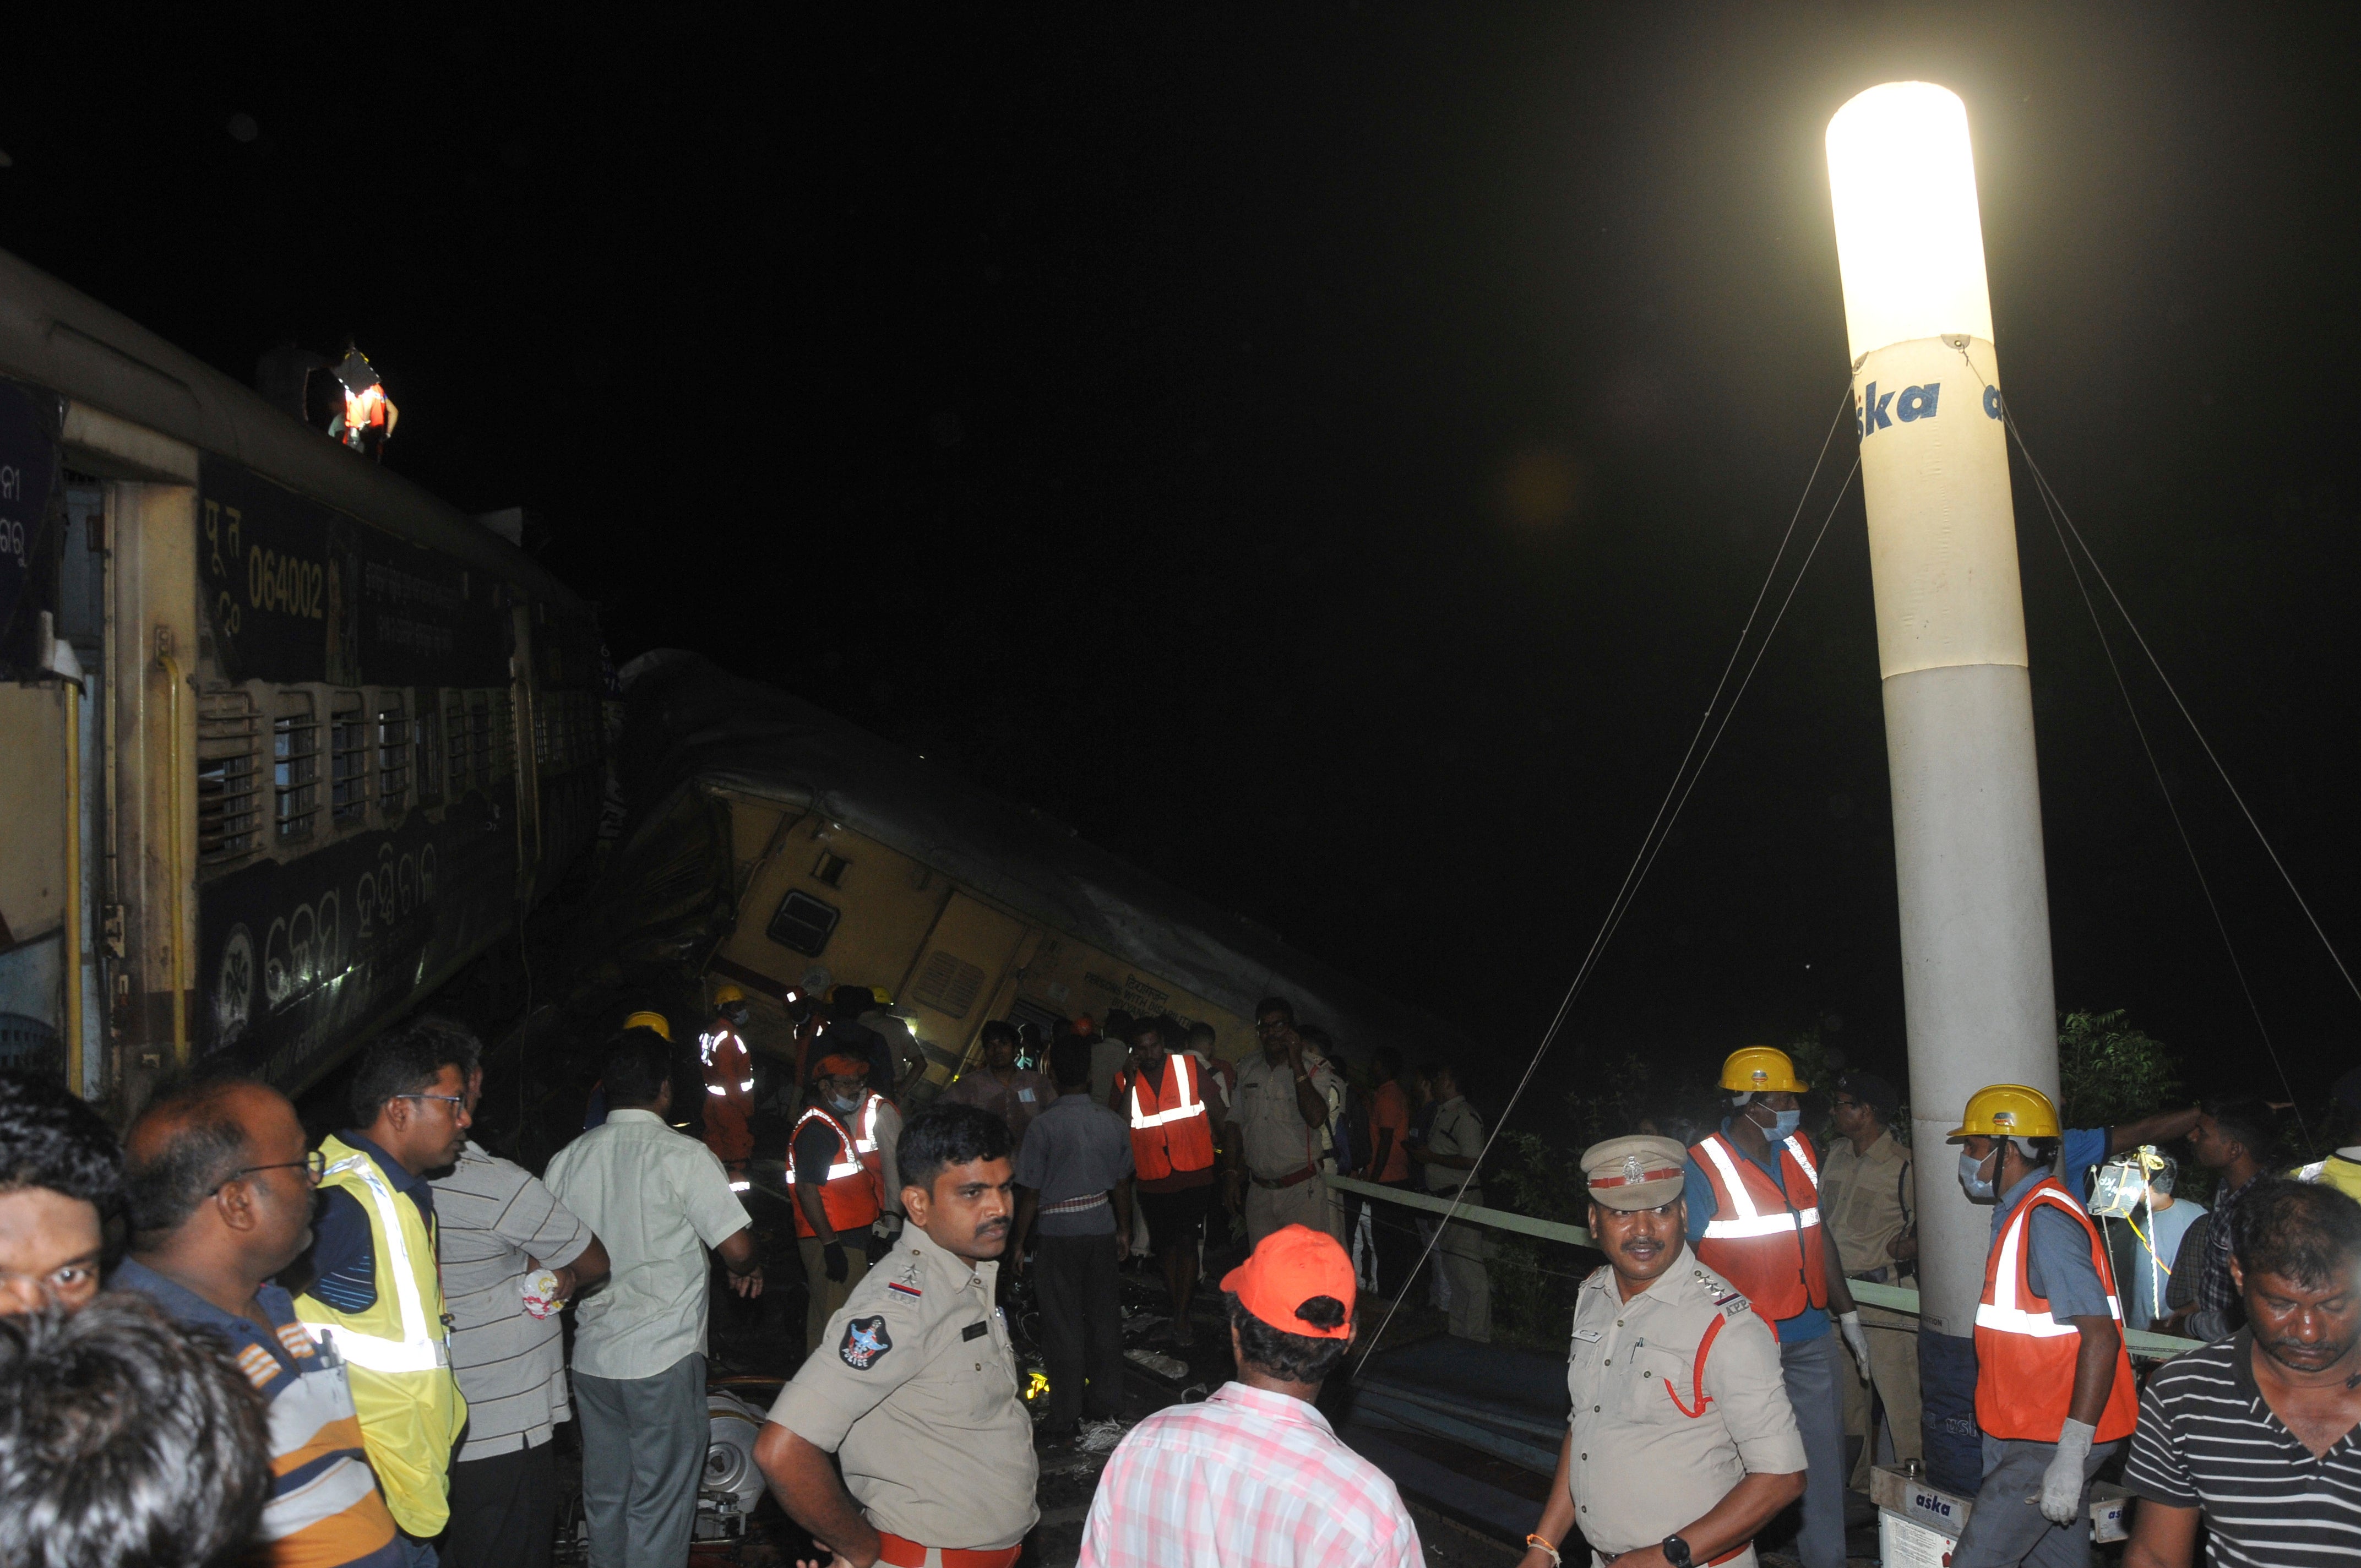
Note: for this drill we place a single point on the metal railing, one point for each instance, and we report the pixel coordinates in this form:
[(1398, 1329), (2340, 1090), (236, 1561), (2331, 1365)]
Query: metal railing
[(2141, 1344)]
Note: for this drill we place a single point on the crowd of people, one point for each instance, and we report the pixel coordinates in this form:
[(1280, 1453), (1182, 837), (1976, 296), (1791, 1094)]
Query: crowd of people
[(221, 1341)]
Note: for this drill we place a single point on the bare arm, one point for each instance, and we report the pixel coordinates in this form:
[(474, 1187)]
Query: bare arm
[(1123, 1218), (2095, 1367), (1839, 1288), (1557, 1515), (1028, 1203), (1308, 1103), (1384, 1152), (589, 1267), (2161, 1128), (805, 1485), (815, 1213), (2162, 1537), (737, 1254)]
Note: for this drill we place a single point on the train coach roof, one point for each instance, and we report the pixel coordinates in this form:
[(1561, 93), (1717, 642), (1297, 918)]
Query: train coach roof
[(689, 722), (56, 338)]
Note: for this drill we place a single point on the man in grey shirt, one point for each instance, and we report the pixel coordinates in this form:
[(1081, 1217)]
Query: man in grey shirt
[(499, 1226), (1076, 1152)]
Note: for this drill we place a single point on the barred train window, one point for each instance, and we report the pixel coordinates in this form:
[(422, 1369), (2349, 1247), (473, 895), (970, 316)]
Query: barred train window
[(294, 765), (426, 738), (348, 760), (479, 739), (229, 777), (454, 734), (393, 754)]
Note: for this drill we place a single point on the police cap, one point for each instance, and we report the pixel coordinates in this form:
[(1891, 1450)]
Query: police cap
[(1637, 1172)]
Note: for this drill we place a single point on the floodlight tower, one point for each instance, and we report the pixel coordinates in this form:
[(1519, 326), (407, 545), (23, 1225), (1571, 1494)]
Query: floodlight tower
[(1950, 644)]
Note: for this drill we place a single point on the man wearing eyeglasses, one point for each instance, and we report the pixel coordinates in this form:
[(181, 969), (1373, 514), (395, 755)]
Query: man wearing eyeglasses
[(220, 1192), (376, 1290)]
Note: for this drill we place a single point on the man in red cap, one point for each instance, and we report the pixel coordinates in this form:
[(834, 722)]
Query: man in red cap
[(1255, 1477), (836, 1196)]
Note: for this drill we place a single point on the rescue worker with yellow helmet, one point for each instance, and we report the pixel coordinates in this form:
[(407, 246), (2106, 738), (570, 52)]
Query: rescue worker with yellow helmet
[(595, 1115), (2054, 1390), (728, 1069), (1753, 1191), (376, 1293)]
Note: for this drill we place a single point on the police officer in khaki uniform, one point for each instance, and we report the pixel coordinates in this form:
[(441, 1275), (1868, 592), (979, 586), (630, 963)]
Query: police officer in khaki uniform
[(1681, 1444), (1868, 1201), (914, 1385)]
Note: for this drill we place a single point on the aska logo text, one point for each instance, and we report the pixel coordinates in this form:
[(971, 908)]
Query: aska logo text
[(1877, 411)]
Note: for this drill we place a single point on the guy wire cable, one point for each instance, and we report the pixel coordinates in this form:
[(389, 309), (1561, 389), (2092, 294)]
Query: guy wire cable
[(1650, 843), (2061, 522), (2187, 846)]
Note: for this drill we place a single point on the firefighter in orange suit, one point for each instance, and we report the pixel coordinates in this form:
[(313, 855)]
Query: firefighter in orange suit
[(2054, 1392), (836, 1194), (1162, 1091), (1753, 1196), (729, 1084)]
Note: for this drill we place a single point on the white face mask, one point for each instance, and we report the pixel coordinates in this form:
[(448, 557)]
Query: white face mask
[(1971, 1177), (845, 1107)]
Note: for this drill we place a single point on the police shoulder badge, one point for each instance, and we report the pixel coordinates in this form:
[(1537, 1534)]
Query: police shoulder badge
[(865, 1343)]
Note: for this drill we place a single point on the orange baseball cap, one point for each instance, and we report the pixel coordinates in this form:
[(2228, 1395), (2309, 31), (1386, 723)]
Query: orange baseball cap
[(1293, 1265), (838, 1065)]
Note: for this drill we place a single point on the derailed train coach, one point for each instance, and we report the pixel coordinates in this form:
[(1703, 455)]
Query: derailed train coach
[(290, 742), (778, 848)]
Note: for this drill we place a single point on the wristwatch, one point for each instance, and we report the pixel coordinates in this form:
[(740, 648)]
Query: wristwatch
[(1676, 1551)]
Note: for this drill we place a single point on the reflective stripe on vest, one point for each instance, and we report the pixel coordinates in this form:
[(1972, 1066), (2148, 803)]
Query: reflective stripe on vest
[(419, 1349), (1184, 1078), (1750, 1221), (847, 1162), (709, 1049), (864, 1132), (2026, 1358)]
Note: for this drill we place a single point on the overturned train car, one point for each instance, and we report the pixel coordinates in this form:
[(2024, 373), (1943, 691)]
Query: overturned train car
[(774, 846), (289, 743)]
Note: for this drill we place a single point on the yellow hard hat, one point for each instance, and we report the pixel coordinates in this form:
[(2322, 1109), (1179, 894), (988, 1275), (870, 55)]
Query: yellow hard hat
[(646, 1020), (1759, 1069), (2008, 1111), (728, 994), (885, 997)]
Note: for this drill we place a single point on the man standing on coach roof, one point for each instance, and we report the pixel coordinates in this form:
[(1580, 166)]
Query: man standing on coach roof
[(915, 1388), (1753, 1196), (1681, 1445), (656, 1199), (1279, 1133), (2054, 1390)]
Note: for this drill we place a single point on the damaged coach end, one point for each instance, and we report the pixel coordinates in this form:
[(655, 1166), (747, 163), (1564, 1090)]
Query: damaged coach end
[(774, 846)]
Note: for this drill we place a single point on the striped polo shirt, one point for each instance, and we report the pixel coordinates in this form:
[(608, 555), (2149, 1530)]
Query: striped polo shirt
[(325, 1509), (2208, 1440)]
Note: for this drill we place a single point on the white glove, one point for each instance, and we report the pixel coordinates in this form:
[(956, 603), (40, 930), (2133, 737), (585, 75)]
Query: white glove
[(2061, 1484), (1856, 1338)]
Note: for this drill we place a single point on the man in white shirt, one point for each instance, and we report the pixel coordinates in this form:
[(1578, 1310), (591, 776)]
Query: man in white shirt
[(657, 1199)]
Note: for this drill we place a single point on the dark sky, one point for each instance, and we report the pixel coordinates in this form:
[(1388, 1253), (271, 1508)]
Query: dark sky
[(1324, 451)]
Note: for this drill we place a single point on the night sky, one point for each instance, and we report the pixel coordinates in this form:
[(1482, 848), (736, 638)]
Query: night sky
[(1323, 453)]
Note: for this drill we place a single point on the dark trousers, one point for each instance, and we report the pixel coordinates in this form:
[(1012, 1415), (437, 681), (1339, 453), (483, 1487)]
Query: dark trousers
[(503, 1510), (1082, 1328), (1394, 1226)]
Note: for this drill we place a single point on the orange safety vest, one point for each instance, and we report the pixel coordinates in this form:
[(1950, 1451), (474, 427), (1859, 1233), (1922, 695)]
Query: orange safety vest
[(1765, 1242), (2025, 1358), (1170, 1132), (848, 1192)]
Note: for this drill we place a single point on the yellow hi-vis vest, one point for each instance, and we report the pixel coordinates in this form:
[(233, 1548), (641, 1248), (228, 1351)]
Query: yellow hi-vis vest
[(397, 1353)]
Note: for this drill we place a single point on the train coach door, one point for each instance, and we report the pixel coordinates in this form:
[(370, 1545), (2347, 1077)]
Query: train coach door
[(960, 971)]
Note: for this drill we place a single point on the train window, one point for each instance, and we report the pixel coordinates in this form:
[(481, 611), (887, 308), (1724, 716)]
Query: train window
[(454, 734), (426, 743), (479, 740), (831, 869), (348, 760), (294, 766), (229, 777), (548, 715), (949, 984), (392, 754), (504, 735), (804, 923)]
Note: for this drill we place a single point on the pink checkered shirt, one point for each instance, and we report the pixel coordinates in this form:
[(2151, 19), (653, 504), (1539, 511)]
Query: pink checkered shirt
[(1248, 1479)]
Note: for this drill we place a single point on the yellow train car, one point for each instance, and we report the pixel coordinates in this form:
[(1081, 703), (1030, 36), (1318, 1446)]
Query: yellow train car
[(288, 742), (778, 847)]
